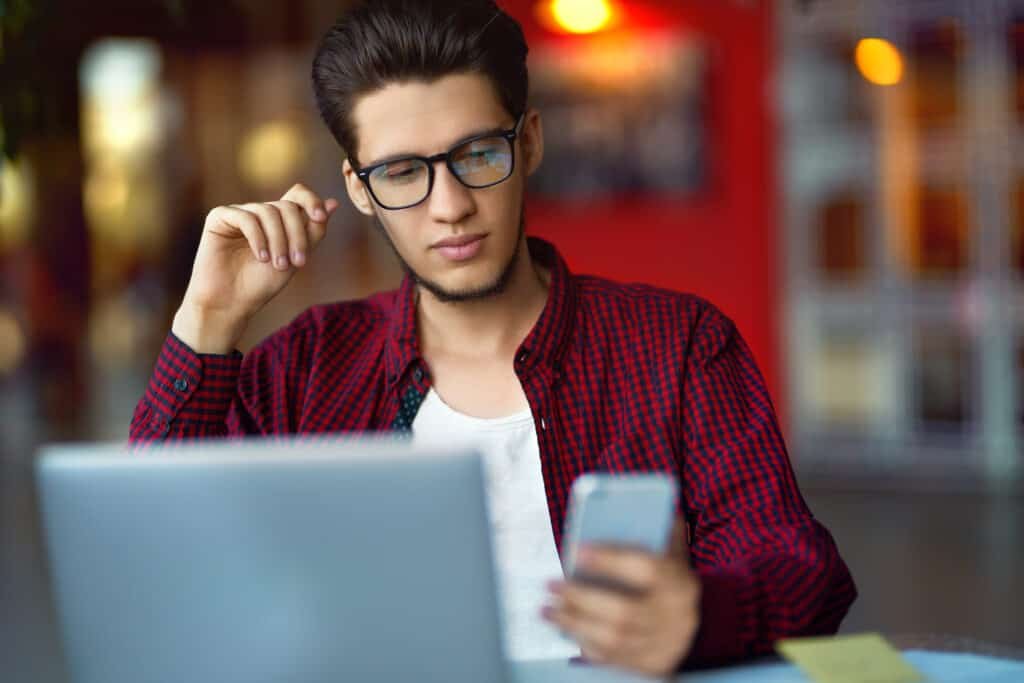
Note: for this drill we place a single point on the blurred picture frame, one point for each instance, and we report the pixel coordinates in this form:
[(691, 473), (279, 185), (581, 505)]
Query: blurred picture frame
[(623, 115)]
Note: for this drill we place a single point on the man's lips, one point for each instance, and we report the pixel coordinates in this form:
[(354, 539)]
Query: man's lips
[(457, 241), (460, 247)]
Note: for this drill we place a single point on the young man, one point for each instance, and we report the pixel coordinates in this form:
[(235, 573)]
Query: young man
[(491, 338)]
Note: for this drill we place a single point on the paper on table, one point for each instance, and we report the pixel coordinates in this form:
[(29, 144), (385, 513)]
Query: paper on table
[(864, 658)]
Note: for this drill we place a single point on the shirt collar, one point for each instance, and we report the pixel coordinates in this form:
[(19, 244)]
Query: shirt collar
[(543, 347)]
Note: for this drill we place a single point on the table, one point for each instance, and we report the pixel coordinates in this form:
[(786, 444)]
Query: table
[(938, 667), (943, 642)]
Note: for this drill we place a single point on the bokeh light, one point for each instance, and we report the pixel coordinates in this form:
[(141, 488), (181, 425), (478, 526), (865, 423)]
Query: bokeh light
[(117, 331), (577, 16), (879, 61), (272, 154), (124, 130), (17, 197), (120, 111), (12, 342)]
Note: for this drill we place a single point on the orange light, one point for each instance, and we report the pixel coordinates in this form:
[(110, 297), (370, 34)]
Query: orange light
[(577, 16), (879, 61)]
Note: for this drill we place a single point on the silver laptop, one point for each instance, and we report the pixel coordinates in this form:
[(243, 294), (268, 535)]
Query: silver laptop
[(356, 560)]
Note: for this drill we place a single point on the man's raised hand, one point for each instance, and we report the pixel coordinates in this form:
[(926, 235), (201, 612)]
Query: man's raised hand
[(246, 256)]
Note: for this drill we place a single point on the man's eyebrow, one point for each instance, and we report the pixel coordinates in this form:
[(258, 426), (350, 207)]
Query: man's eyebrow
[(496, 130)]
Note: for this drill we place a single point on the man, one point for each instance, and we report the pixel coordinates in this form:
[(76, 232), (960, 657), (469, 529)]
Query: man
[(490, 337)]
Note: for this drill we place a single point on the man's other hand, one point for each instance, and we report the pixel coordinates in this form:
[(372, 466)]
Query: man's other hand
[(647, 624)]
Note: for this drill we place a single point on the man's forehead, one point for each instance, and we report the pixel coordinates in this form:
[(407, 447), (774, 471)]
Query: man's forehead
[(424, 118)]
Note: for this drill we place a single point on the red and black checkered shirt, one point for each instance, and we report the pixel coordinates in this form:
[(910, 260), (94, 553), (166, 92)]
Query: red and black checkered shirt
[(620, 378)]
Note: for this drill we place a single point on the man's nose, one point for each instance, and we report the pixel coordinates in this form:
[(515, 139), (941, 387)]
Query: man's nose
[(450, 200)]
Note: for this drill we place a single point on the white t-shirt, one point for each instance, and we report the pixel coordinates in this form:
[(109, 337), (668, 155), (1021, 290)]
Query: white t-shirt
[(524, 546)]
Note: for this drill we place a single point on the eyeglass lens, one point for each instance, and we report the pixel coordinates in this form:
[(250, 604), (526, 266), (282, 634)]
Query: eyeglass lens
[(478, 163)]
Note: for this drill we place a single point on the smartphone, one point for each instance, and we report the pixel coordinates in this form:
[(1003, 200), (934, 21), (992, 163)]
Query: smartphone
[(626, 510)]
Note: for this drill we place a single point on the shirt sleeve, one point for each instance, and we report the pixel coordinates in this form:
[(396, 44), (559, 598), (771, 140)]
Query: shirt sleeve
[(768, 568), (192, 396)]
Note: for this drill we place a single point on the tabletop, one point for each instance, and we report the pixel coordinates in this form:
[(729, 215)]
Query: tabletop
[(938, 667)]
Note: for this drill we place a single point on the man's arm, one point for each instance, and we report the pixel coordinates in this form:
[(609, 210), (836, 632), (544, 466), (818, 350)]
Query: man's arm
[(246, 256), (762, 567), (190, 396), (200, 395), (767, 568)]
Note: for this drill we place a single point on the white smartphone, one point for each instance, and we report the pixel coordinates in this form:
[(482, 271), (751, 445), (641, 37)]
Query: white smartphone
[(626, 510)]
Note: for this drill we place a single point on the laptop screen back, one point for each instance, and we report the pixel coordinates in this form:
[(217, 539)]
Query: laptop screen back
[(356, 561)]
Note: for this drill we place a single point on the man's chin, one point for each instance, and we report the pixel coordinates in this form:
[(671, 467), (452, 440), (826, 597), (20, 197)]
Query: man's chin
[(478, 279), (454, 290)]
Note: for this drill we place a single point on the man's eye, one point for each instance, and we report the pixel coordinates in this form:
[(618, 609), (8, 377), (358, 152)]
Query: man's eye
[(401, 172), (484, 155)]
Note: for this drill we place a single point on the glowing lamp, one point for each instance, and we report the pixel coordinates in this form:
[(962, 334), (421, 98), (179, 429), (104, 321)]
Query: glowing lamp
[(879, 61), (577, 16)]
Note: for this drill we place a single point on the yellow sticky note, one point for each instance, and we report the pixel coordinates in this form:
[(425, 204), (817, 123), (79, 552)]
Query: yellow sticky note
[(864, 658)]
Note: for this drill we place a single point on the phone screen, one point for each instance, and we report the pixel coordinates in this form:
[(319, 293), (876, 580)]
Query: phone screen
[(637, 519), (633, 511)]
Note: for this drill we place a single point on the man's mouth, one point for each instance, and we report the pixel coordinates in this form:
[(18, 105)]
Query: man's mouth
[(459, 247)]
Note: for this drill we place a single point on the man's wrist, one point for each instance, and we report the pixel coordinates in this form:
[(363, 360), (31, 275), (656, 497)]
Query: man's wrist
[(724, 611), (208, 332)]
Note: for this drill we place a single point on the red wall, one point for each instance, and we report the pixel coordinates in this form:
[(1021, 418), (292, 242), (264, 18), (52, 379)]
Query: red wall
[(722, 243)]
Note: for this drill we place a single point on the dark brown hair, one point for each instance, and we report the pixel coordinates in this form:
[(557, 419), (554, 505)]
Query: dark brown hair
[(380, 42)]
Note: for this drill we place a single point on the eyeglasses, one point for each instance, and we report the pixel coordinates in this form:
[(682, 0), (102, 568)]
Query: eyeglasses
[(477, 162)]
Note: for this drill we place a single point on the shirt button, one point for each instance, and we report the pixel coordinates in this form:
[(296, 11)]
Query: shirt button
[(181, 384), (418, 375), (523, 356)]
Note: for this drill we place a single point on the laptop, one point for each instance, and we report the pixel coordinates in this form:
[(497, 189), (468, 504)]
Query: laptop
[(351, 560)]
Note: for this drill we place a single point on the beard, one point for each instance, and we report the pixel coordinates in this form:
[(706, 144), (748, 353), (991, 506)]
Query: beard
[(448, 296)]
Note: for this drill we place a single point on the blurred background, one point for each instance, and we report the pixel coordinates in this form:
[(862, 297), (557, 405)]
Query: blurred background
[(845, 178)]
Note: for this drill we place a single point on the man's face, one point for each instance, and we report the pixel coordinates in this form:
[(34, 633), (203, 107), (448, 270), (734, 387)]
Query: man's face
[(425, 119)]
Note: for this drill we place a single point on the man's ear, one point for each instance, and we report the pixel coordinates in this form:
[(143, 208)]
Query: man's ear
[(532, 141), (357, 191)]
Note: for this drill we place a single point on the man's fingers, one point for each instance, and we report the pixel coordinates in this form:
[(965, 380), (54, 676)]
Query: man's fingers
[(633, 568), (310, 201), (600, 640), (592, 635), (317, 229), (596, 604), (282, 232), (318, 210), (273, 228), (249, 225), (295, 221)]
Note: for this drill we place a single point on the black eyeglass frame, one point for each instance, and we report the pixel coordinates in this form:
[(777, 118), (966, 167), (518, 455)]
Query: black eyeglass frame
[(511, 135)]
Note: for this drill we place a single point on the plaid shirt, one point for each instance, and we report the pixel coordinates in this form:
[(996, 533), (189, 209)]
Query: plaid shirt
[(620, 378)]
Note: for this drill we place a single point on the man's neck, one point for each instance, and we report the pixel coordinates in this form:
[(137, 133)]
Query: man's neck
[(491, 327)]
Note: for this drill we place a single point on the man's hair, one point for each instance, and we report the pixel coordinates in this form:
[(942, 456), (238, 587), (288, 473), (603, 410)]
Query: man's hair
[(381, 42)]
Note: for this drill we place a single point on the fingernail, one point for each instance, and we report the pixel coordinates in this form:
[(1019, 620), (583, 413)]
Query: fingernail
[(282, 262), (298, 258), (584, 555), (555, 586), (264, 256), (547, 612), (318, 214)]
